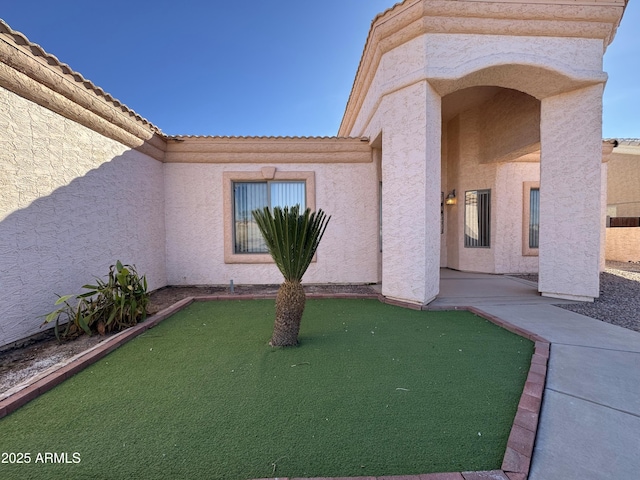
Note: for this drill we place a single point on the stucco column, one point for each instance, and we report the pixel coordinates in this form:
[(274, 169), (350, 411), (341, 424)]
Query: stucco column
[(603, 216), (570, 194), (411, 194)]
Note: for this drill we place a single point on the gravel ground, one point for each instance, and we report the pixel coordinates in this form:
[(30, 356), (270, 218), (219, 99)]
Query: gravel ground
[(619, 302)]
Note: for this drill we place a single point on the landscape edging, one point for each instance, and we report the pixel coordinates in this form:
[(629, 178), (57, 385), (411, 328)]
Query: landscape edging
[(519, 450)]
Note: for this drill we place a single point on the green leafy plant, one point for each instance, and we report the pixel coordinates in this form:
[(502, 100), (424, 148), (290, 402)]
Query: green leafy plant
[(292, 239), (112, 305), (71, 320)]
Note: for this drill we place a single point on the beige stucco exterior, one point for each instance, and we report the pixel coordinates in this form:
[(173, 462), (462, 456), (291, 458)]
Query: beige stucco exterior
[(623, 200), (72, 202), (474, 160), (86, 181), (623, 244), (449, 96), (419, 53), (623, 180), (340, 178)]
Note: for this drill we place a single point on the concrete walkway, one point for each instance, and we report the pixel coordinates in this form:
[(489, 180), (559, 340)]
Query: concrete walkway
[(590, 420)]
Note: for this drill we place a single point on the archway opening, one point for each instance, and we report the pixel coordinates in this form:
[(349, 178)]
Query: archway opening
[(491, 160)]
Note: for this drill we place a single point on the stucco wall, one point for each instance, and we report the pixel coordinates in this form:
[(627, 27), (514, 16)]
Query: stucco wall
[(623, 244), (510, 126), (623, 185), (445, 191), (411, 194), (451, 212), (570, 201), (455, 61), (467, 167), (395, 66), (470, 52), (72, 202), (509, 205), (194, 199), (469, 174), (473, 147), (604, 172)]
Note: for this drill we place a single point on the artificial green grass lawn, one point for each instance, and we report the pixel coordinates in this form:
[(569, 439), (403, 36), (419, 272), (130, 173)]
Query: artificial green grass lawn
[(372, 389)]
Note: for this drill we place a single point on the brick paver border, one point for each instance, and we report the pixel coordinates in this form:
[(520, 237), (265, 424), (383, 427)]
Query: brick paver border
[(517, 457)]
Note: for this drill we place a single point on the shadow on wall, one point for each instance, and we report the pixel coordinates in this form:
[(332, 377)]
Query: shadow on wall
[(62, 240)]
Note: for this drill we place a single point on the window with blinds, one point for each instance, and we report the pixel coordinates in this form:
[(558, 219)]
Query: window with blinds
[(477, 219), (249, 196), (534, 218)]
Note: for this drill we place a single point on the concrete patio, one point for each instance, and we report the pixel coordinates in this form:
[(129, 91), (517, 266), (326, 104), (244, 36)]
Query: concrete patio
[(476, 289)]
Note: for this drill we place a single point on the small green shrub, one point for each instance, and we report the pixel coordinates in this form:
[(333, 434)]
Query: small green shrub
[(71, 320), (112, 305)]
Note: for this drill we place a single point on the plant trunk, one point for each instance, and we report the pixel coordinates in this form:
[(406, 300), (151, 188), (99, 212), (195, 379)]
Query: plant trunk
[(289, 307)]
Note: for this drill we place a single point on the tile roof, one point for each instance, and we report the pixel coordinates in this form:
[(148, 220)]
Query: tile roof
[(632, 142), (52, 62), (382, 14), (265, 137), (36, 51)]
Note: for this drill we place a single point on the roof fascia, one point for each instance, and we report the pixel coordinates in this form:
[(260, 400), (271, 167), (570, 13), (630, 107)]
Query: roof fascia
[(407, 20), (28, 71), (274, 150)]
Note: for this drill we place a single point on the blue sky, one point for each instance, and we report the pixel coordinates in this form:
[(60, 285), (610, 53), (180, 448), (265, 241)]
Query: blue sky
[(255, 67)]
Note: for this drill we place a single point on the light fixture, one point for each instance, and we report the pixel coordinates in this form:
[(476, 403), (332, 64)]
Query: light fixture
[(451, 198)]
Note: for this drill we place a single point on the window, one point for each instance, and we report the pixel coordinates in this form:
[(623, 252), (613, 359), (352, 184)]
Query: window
[(249, 196), (243, 192), (477, 216), (534, 217), (530, 218)]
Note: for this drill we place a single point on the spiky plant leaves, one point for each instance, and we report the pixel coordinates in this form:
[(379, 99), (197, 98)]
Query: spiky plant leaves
[(292, 239), (112, 305)]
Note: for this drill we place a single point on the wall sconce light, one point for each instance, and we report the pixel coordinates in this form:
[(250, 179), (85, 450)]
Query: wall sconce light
[(451, 198)]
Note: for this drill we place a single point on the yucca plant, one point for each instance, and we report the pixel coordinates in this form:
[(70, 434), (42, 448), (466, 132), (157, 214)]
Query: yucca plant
[(292, 239)]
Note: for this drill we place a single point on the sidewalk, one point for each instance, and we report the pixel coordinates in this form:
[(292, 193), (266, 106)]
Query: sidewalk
[(590, 420)]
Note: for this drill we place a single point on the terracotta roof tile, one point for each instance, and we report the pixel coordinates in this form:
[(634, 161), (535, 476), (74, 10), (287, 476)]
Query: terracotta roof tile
[(36, 50), (633, 142), (234, 137)]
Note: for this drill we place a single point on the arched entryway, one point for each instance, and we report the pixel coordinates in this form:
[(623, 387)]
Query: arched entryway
[(546, 111), (491, 163), (423, 58)]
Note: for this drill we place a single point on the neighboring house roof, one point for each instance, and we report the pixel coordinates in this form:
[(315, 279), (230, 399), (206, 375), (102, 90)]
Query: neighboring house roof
[(632, 142), (626, 146)]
